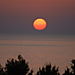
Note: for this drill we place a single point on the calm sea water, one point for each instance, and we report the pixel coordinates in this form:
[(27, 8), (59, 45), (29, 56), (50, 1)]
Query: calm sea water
[(39, 50)]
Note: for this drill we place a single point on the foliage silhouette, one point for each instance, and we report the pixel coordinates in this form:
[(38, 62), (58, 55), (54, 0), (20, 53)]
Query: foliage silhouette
[(70, 71), (17, 67), (21, 67), (67, 72), (1, 70), (31, 72), (48, 70), (73, 67)]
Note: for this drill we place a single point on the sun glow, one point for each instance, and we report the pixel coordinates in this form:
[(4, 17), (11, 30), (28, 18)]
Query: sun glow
[(39, 24)]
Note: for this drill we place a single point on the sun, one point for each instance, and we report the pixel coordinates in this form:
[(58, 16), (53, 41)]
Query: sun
[(40, 24)]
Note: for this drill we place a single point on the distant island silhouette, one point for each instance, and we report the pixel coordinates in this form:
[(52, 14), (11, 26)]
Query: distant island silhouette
[(20, 66)]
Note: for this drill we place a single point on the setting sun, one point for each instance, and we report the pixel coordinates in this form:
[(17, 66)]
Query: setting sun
[(40, 24)]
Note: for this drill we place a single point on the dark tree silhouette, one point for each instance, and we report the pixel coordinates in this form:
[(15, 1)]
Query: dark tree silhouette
[(20, 67), (70, 71), (17, 67), (67, 72), (48, 70), (31, 72), (73, 67), (1, 71)]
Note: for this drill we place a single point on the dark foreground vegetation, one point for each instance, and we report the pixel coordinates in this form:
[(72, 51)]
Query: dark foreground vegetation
[(20, 67)]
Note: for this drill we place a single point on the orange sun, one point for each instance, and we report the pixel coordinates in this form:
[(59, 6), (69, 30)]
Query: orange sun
[(40, 24)]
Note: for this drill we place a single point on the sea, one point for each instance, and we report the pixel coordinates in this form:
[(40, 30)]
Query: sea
[(39, 50)]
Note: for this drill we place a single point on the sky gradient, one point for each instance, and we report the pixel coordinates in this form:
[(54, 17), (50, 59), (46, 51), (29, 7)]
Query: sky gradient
[(17, 35), (17, 16)]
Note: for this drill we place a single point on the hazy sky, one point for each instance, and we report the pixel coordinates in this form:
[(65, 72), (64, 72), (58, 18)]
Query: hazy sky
[(17, 16)]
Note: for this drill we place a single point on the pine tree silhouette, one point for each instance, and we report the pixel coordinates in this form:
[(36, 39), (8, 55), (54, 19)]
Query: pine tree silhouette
[(31, 72), (21, 67), (67, 72), (17, 67), (73, 67), (1, 70), (48, 70), (70, 71)]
